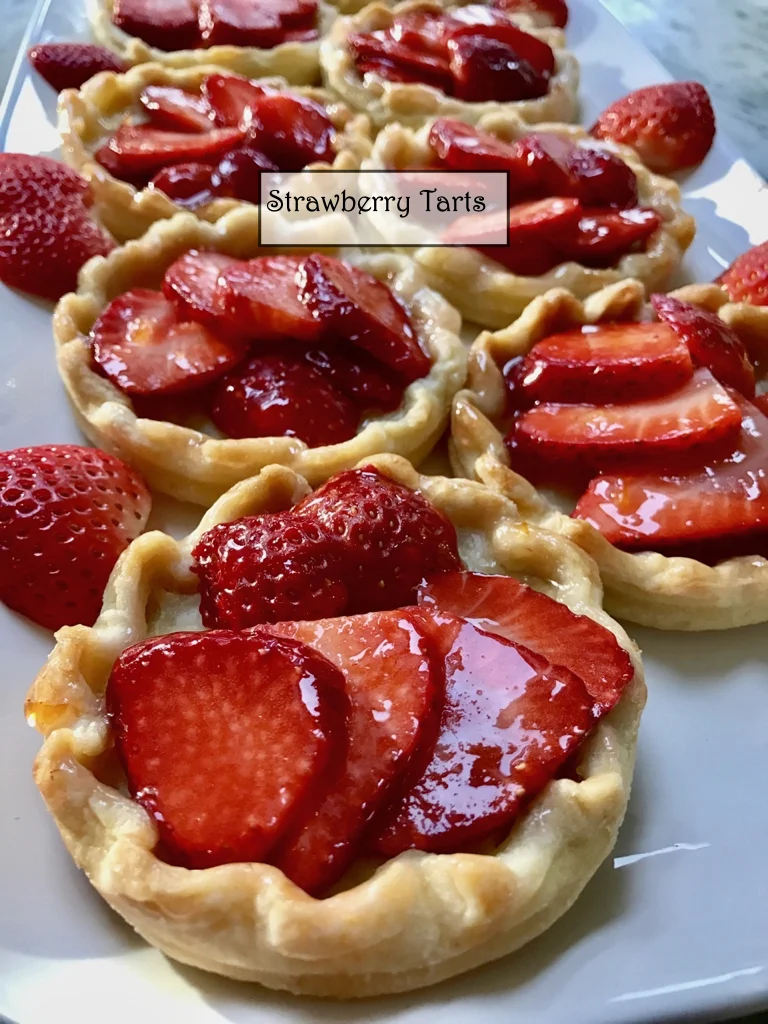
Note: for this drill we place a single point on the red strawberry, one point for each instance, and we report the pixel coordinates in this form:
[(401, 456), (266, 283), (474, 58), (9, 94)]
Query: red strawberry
[(37, 182), (171, 25), (143, 347), (386, 69), (353, 305), (66, 514), (228, 740), (604, 236), (188, 185), (716, 511), (600, 178), (542, 220), (543, 12), (464, 148), (295, 131), (369, 384), (671, 126), (505, 606), (147, 150), (238, 173), (262, 299), (244, 23), (70, 65), (173, 109), (607, 363), (761, 402), (510, 721), (746, 280), (192, 283), (232, 99), (381, 47), (393, 691), (423, 29), (482, 23), (486, 68), (535, 230), (711, 342)]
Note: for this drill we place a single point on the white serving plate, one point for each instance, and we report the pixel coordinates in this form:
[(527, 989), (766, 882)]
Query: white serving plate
[(673, 926)]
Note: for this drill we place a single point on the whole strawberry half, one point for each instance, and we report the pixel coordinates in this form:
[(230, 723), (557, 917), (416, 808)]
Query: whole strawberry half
[(66, 514), (746, 280), (70, 65)]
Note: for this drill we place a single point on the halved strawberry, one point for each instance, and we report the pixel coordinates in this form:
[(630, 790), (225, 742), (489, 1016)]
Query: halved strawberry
[(355, 306), (244, 23), (143, 347), (192, 283), (605, 363), (278, 396), (171, 25), (380, 46), (70, 65), (295, 130), (746, 280), (510, 720), (543, 12), (711, 342), (175, 109), (232, 99), (228, 740), (485, 68), (188, 185), (718, 510), (262, 299), (142, 149), (393, 691), (603, 236), (66, 514), (503, 605), (671, 126)]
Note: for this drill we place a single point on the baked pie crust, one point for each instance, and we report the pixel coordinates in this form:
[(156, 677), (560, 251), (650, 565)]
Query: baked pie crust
[(414, 103), (87, 117), (296, 62), (196, 466), (414, 920), (486, 292), (648, 588)]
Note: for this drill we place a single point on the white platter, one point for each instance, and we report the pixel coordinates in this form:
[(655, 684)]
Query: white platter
[(672, 927)]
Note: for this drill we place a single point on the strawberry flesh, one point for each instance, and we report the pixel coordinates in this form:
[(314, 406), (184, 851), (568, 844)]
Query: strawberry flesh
[(603, 236), (169, 26), (70, 65), (238, 173), (140, 149), (295, 131), (232, 99), (245, 23), (486, 68), (189, 185), (746, 280), (414, 64), (262, 299), (171, 109), (192, 283)]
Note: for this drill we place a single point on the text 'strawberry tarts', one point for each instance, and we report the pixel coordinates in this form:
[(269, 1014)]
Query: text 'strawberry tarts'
[(648, 426), (420, 60), (156, 140), (272, 37), (583, 213), (443, 757), (200, 358)]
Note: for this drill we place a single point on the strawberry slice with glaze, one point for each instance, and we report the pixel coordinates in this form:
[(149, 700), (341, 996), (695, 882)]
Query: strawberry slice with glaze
[(192, 283), (358, 376), (142, 346), (245, 23), (464, 148), (542, 220), (488, 68), (238, 173), (746, 280), (386, 69), (510, 721), (198, 717), (169, 26), (189, 185), (139, 149), (295, 131), (604, 236), (70, 65), (393, 691), (381, 47), (262, 300), (232, 99), (176, 110)]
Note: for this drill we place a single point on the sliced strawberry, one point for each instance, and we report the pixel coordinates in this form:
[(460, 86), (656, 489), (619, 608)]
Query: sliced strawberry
[(500, 604), (423, 29), (295, 131), (485, 68), (387, 70), (671, 126), (111, 162), (173, 109), (278, 396), (485, 23), (228, 740), (66, 514), (232, 99), (244, 23), (746, 280), (380, 46), (462, 147), (238, 173), (361, 378), (171, 25), (70, 65), (606, 363), (141, 149), (604, 236), (718, 510), (393, 691), (143, 347), (544, 12), (540, 221), (188, 185), (509, 722), (191, 282), (601, 178), (262, 298), (711, 342), (352, 304)]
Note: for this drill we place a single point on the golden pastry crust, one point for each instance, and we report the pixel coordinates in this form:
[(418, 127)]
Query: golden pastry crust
[(486, 292), (298, 63), (648, 588), (196, 466), (413, 103), (409, 922), (90, 115)]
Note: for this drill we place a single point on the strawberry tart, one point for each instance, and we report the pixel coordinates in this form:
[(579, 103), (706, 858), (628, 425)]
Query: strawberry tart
[(443, 754)]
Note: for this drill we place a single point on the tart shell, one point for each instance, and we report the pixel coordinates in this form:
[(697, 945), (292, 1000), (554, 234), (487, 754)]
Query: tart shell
[(670, 593), (409, 922), (413, 103), (486, 292), (88, 116)]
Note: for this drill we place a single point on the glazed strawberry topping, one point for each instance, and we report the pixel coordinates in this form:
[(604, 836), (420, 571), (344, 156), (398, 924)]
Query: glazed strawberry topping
[(192, 282), (495, 63), (176, 110), (66, 514), (143, 150), (171, 25), (191, 185), (746, 280), (262, 297), (70, 65), (544, 12)]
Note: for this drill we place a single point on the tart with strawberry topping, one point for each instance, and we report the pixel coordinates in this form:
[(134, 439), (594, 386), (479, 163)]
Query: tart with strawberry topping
[(640, 433), (421, 60), (201, 358), (155, 141), (254, 39), (443, 757), (582, 214)]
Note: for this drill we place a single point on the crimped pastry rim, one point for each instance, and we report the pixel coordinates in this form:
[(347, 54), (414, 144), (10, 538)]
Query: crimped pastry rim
[(486, 292), (84, 117), (197, 467), (413, 104), (420, 918), (297, 62), (670, 593)]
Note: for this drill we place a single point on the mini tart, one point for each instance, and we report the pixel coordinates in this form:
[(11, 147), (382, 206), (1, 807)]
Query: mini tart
[(648, 588), (88, 116), (486, 292), (198, 467), (413, 104), (416, 919)]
